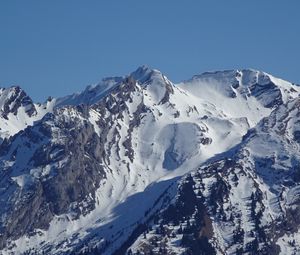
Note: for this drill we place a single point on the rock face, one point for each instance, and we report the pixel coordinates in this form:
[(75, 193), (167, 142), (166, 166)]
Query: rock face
[(140, 165)]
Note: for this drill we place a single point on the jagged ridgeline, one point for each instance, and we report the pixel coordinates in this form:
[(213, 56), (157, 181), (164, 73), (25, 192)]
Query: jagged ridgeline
[(140, 165)]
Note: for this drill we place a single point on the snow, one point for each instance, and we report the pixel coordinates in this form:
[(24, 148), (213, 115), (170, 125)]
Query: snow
[(91, 94), (289, 244), (217, 90), (94, 116)]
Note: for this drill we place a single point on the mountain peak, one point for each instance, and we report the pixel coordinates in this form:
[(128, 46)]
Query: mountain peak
[(12, 98), (238, 77), (144, 73)]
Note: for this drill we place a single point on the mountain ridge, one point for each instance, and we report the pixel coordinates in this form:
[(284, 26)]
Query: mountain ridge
[(71, 178)]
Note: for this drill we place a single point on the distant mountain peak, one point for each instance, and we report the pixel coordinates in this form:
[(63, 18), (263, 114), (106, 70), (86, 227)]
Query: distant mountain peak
[(144, 73), (12, 98)]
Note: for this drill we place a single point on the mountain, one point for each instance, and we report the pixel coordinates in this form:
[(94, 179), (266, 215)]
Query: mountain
[(140, 165)]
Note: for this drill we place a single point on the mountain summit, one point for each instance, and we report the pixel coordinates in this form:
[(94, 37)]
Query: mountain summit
[(141, 165)]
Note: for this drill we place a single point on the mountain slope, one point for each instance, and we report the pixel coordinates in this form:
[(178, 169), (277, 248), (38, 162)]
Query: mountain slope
[(250, 193), (103, 166)]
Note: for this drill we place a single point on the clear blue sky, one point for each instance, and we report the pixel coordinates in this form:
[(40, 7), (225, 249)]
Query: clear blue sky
[(58, 47)]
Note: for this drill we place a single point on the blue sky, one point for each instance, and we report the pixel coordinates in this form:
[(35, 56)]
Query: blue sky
[(58, 47)]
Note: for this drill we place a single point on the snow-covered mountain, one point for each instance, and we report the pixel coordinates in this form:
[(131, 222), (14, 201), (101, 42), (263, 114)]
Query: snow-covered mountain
[(138, 164)]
